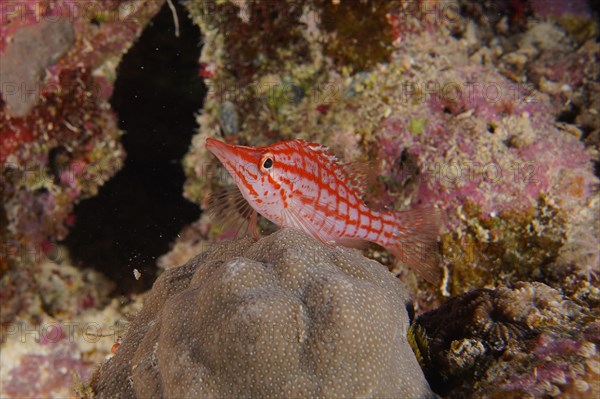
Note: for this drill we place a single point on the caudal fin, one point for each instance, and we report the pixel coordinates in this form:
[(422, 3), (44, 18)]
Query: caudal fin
[(415, 241)]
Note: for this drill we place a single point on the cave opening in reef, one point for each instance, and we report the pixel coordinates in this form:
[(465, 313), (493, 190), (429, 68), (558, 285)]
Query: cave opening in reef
[(140, 211)]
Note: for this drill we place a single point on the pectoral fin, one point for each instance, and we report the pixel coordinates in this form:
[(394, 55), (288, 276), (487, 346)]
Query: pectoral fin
[(233, 213)]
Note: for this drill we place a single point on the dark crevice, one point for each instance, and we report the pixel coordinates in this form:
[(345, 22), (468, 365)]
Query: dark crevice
[(568, 115), (140, 211), (410, 309)]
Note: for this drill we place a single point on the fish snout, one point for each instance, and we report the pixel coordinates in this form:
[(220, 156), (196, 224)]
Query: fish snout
[(217, 148), (229, 155)]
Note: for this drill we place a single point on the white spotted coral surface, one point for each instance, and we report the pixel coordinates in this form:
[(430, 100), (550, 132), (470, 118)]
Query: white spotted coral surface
[(285, 316)]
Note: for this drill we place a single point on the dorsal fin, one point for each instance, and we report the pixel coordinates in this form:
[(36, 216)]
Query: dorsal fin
[(322, 151), (230, 209), (359, 175), (362, 175)]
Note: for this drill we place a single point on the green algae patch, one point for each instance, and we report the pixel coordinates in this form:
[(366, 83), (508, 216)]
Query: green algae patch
[(416, 126), (363, 36)]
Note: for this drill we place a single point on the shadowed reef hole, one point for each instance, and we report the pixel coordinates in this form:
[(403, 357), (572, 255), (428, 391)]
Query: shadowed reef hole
[(140, 211)]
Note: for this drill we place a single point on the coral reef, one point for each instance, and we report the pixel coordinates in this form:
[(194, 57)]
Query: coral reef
[(457, 118), (67, 291), (525, 341), (47, 369), (486, 110), (285, 315)]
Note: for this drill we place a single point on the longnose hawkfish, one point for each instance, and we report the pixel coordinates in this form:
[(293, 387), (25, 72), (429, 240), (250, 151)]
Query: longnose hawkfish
[(302, 185)]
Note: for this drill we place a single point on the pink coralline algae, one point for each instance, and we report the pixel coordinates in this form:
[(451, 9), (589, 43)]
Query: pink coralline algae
[(49, 369), (58, 335), (40, 375), (496, 163), (484, 149)]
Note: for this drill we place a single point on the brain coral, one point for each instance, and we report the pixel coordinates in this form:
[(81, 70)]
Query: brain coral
[(285, 316)]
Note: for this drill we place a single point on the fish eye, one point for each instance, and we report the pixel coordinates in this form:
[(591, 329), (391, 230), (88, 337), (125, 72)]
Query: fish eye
[(266, 163)]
